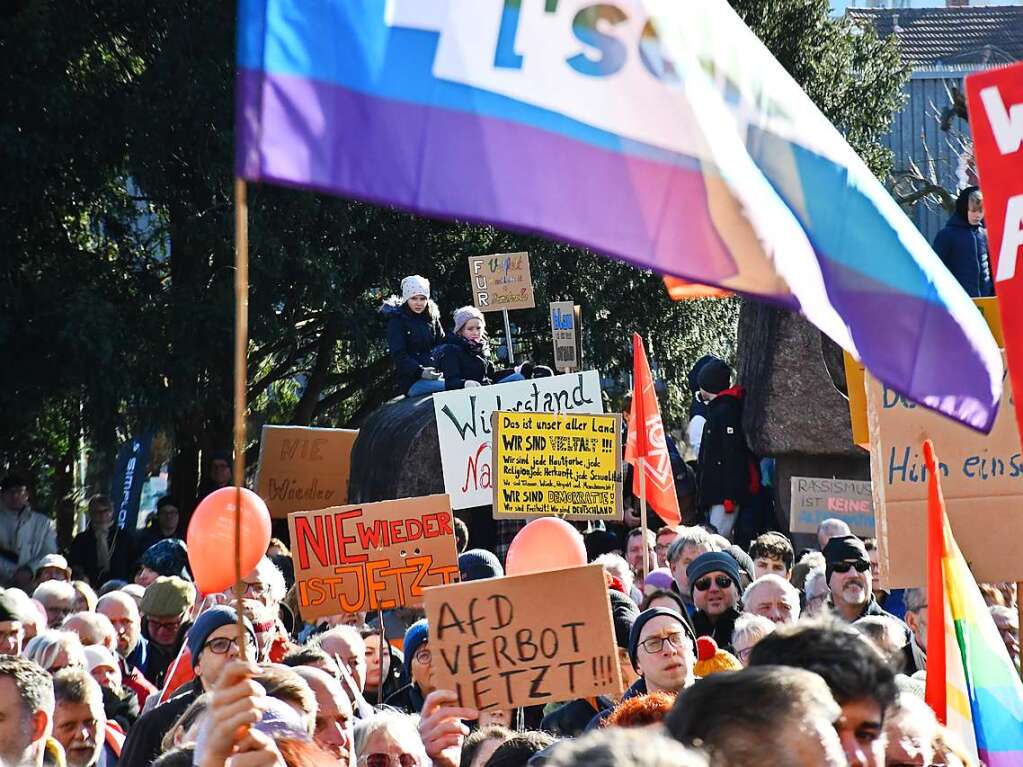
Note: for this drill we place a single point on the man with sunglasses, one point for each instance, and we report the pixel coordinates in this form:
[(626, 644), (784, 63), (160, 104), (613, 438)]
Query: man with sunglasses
[(212, 643), (851, 585), (714, 580)]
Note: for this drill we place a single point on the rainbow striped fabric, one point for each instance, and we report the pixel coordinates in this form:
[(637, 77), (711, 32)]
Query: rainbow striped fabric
[(658, 132), (972, 684)]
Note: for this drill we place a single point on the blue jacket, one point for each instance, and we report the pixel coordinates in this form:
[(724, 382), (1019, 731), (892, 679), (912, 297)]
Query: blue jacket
[(963, 249), (460, 363), (411, 339)]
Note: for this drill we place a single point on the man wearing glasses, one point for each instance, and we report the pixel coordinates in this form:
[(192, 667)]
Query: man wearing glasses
[(213, 643), (714, 580), (661, 646), (164, 607), (851, 585)]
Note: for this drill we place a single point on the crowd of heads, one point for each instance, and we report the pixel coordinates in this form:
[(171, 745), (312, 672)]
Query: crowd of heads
[(728, 657)]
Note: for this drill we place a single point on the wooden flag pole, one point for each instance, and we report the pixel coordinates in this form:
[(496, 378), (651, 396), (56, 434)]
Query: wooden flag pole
[(383, 641), (508, 338), (241, 345), (641, 468)]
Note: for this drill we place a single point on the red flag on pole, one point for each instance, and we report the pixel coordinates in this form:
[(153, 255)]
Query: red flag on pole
[(647, 440), (995, 100), (936, 685)]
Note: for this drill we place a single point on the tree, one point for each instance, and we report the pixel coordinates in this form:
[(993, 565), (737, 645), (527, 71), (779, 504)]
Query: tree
[(115, 193)]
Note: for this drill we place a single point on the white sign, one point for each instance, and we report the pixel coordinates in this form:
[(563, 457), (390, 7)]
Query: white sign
[(464, 431)]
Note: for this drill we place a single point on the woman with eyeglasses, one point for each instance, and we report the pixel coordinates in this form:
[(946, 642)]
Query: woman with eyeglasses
[(714, 581), (418, 669), (389, 739)]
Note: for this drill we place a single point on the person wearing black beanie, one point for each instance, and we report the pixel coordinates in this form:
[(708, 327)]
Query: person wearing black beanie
[(572, 718), (714, 581)]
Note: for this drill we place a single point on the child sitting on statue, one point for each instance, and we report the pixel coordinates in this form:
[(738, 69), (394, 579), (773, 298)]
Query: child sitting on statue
[(464, 358)]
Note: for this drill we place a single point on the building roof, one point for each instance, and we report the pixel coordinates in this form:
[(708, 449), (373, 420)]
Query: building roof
[(973, 37)]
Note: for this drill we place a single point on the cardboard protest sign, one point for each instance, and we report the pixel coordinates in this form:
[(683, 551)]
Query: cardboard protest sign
[(563, 333), (463, 425), (374, 556), (496, 644), (982, 480), (302, 468), (501, 281), (561, 465), (815, 499), (855, 373)]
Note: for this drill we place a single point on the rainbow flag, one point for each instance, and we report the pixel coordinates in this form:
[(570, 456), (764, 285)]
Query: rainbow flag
[(658, 132), (972, 684)]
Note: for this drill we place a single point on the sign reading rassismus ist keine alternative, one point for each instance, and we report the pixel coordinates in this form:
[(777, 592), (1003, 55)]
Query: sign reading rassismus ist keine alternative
[(559, 464)]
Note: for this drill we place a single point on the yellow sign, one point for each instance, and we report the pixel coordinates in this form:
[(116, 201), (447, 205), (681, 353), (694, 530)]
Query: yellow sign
[(557, 464), (856, 385)]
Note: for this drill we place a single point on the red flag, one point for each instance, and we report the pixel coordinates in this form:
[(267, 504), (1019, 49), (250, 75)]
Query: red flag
[(936, 687), (680, 290), (995, 101), (647, 440)]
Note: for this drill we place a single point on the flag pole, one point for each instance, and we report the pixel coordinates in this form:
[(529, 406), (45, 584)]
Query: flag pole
[(508, 337), (241, 345), (641, 468)]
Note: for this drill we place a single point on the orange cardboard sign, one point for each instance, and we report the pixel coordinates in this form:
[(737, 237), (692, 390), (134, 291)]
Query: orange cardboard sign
[(981, 478), (524, 640), (303, 468), (374, 556)]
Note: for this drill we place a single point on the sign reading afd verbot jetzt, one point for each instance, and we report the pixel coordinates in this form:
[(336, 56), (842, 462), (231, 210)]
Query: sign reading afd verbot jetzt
[(464, 428)]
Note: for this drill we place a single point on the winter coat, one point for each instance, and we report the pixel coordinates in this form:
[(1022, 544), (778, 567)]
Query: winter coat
[(728, 470), (143, 744), (26, 536), (720, 631), (571, 719), (123, 555), (411, 339), (460, 362), (963, 249), (638, 688), (408, 699)]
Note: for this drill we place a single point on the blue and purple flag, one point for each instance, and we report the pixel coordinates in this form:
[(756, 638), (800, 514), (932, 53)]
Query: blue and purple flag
[(658, 132)]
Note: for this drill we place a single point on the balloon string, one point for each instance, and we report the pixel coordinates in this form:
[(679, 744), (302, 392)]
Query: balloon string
[(241, 343)]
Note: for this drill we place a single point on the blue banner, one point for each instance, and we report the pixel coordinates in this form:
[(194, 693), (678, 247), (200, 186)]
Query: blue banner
[(130, 473)]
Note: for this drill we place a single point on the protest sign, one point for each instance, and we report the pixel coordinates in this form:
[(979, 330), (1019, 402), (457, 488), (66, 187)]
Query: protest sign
[(996, 121), (303, 469), (498, 645), (501, 281), (815, 499), (855, 372), (561, 465), (463, 425), (374, 556), (563, 334), (982, 480)]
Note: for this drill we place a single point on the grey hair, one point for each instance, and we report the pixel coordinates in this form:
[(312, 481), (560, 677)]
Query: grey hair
[(402, 727), (790, 591), (623, 747), (618, 567), (915, 599), (34, 685), (688, 536), (817, 573), (271, 574), (76, 685), (749, 626), (98, 628), (44, 648), (55, 590)]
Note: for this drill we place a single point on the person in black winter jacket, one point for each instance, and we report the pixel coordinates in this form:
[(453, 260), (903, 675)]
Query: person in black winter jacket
[(962, 245), (465, 357), (729, 475), (413, 332)]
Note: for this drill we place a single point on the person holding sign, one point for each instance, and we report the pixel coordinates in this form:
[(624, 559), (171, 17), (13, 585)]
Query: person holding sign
[(413, 331), (465, 357)]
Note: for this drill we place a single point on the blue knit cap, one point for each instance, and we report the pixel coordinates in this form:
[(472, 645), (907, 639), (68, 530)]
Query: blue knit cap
[(208, 622), (415, 636), (167, 557), (479, 564)]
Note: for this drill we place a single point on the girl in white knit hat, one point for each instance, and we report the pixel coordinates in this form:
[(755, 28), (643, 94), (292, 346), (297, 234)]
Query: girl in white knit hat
[(413, 332), (465, 359)]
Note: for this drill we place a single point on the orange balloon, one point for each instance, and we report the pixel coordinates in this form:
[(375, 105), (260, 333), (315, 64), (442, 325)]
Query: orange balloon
[(210, 538), (547, 543)]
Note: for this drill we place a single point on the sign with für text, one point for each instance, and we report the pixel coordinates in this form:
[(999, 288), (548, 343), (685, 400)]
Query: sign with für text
[(501, 281), (464, 425), (375, 556), (524, 640), (981, 479), (563, 331), (815, 499), (565, 464), (303, 468)]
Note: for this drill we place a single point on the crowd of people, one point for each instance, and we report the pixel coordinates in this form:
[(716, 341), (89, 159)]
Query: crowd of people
[(734, 649)]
